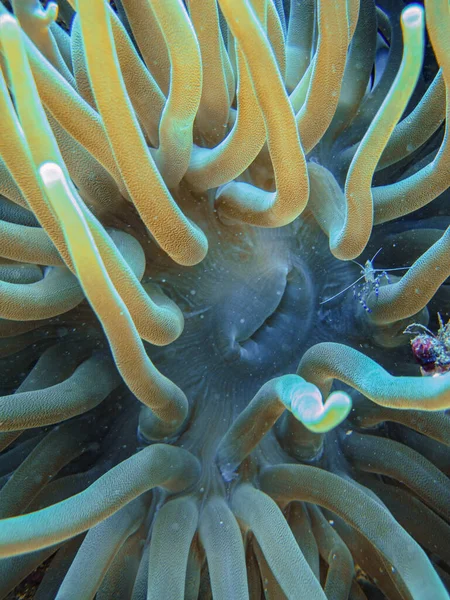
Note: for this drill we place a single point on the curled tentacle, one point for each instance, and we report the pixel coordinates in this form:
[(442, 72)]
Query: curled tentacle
[(328, 361)]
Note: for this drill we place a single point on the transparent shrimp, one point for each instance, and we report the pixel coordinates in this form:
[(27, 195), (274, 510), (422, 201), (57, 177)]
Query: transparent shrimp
[(372, 281)]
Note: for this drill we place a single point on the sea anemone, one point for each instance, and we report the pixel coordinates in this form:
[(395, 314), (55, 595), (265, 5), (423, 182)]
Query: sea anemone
[(194, 404)]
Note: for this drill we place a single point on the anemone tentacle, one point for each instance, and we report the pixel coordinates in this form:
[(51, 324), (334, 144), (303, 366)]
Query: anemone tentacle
[(194, 402)]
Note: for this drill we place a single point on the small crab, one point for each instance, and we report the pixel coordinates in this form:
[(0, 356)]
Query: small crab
[(372, 281), (431, 351)]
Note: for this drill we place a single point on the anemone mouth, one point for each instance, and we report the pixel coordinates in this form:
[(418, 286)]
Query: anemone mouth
[(294, 304), (268, 321), (251, 306)]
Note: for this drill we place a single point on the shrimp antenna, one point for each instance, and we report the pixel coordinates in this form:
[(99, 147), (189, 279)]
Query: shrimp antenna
[(385, 270), (375, 255), (393, 269), (344, 290), (371, 260), (357, 263)]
